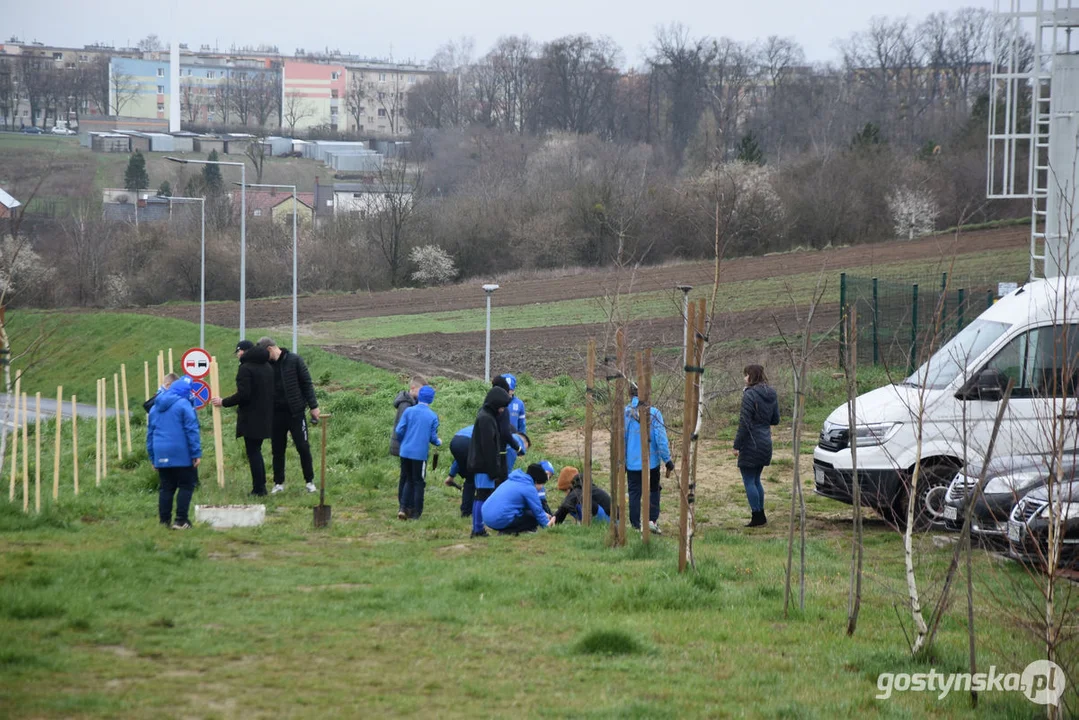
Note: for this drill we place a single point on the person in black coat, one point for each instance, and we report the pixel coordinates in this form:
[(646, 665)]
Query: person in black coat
[(753, 440), (570, 482), (486, 453), (293, 394), (254, 402)]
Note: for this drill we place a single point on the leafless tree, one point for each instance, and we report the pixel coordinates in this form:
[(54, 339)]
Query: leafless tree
[(33, 84), (400, 182), (9, 95), (150, 43), (579, 74), (122, 90), (265, 92), (683, 64), (192, 100), (356, 98), (295, 109), (256, 154), (242, 95)]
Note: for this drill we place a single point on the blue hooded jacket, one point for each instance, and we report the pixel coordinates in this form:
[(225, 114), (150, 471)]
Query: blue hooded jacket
[(455, 467), (511, 500), (516, 412), (172, 431), (418, 427), (659, 450)]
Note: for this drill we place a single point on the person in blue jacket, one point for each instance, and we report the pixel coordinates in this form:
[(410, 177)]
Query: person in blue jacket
[(514, 507), (658, 451), (459, 450), (549, 469), (175, 450), (516, 409), (417, 428)]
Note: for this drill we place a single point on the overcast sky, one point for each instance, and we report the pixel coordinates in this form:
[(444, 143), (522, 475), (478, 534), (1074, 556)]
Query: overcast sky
[(412, 30)]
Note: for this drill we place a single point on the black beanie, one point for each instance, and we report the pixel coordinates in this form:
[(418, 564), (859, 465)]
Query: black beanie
[(537, 473)]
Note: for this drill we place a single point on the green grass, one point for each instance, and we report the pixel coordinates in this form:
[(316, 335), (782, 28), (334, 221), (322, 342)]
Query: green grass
[(733, 297), (104, 614)]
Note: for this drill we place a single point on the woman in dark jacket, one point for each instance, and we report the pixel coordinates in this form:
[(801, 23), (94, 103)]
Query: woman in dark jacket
[(753, 441), (254, 402), (569, 481)]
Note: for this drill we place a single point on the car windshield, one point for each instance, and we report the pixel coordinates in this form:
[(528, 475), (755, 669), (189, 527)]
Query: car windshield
[(952, 360)]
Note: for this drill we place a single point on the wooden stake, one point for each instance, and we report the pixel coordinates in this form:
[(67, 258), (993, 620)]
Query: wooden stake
[(589, 419), (146, 378), (75, 442), (698, 379), (127, 410), (644, 417), (119, 424), (15, 436), (56, 454), (160, 368), (170, 361), (618, 453), (219, 445), (25, 456), (37, 453), (687, 430)]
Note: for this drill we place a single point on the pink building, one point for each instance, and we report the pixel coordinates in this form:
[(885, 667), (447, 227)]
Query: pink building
[(313, 94)]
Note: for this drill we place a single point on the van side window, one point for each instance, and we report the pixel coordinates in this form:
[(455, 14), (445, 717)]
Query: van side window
[(1043, 362)]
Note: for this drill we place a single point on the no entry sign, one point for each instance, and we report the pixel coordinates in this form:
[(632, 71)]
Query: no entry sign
[(196, 363), (200, 391)]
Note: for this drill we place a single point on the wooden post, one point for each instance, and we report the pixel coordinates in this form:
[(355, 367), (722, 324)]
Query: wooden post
[(146, 378), (119, 424), (37, 453), (618, 450), (15, 435), (25, 456), (589, 419), (644, 417), (97, 436), (170, 360), (127, 410), (688, 421), (56, 454), (219, 445), (160, 368), (698, 379), (75, 442)]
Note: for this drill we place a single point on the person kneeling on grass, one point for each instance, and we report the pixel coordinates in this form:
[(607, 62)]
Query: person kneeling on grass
[(569, 482), (514, 507), (174, 447), (417, 428)]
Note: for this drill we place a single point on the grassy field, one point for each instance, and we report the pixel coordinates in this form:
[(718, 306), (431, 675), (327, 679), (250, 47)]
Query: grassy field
[(104, 614)]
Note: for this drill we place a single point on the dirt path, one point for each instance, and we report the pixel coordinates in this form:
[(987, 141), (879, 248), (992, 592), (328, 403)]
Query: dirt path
[(585, 284)]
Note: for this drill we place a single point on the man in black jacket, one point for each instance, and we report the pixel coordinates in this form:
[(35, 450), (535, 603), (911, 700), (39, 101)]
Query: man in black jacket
[(486, 453), (254, 402), (293, 394)]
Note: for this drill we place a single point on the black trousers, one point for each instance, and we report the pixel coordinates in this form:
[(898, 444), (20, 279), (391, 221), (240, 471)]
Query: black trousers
[(459, 450), (633, 483), (411, 495), (178, 481), (523, 523), (253, 446), (285, 424)]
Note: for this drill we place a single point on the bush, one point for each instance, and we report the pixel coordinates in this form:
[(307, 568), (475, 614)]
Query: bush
[(434, 266)]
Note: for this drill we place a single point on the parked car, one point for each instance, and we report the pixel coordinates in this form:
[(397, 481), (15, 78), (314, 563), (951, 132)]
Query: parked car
[(31, 130), (1007, 481), (60, 130), (953, 399), (1028, 526)]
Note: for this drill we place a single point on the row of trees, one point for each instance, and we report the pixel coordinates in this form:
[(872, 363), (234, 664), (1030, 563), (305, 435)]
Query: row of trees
[(49, 90)]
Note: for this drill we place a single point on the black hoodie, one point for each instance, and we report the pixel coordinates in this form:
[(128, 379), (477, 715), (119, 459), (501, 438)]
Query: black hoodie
[(402, 402), (753, 441), (485, 450), (254, 395)]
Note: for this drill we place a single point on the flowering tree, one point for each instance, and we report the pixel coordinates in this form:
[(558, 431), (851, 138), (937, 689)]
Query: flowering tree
[(914, 212), (434, 266)]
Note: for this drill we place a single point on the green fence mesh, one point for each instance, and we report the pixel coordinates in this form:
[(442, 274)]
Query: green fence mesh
[(900, 320)]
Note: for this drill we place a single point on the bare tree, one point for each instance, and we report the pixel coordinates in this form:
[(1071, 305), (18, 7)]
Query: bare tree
[(683, 64), (295, 109), (97, 83), (578, 80), (192, 100), (33, 81), (9, 95), (256, 154), (150, 43), (400, 184), (265, 92), (122, 90), (242, 95), (356, 99)]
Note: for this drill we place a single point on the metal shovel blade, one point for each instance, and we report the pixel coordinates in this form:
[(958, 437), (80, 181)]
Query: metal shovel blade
[(322, 515)]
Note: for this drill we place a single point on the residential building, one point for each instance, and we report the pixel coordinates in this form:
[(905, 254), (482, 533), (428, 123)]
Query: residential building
[(7, 205), (313, 95), (275, 205), (367, 198)]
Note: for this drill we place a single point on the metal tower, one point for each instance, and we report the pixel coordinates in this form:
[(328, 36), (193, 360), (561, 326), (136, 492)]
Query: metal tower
[(1033, 124)]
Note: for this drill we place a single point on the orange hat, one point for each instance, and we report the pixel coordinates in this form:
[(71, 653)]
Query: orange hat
[(565, 478)]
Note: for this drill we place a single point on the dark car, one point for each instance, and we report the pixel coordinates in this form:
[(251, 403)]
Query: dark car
[(31, 130), (1007, 480), (1028, 526)]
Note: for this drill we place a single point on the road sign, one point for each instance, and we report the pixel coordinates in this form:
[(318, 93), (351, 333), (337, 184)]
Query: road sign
[(196, 363), (200, 392)]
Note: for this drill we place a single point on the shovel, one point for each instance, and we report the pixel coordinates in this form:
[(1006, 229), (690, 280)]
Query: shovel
[(322, 510)]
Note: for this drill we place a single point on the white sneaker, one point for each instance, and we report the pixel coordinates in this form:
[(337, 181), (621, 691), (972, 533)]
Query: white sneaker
[(311, 488), (654, 528), (277, 489)]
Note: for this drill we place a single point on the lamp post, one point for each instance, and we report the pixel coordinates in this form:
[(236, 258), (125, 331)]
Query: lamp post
[(202, 263), (489, 290), (295, 340), (685, 320), (243, 229)]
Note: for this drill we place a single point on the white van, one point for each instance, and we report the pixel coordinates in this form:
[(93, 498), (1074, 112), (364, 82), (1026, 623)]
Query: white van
[(1030, 336)]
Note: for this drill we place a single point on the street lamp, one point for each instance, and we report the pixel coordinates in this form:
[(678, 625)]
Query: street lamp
[(243, 229), (685, 320), (202, 264), (489, 289), (295, 340)]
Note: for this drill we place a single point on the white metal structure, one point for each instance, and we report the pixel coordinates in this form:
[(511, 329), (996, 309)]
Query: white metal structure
[(1033, 121), (489, 290)]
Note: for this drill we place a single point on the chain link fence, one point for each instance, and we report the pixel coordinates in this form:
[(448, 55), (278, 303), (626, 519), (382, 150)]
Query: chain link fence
[(901, 320)]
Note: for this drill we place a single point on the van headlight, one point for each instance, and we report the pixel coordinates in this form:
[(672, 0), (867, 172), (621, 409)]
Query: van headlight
[(875, 433), (1011, 483)]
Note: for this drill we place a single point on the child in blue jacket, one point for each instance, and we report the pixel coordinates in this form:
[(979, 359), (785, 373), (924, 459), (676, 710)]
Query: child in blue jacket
[(175, 449), (659, 451), (417, 428), (516, 409), (514, 507)]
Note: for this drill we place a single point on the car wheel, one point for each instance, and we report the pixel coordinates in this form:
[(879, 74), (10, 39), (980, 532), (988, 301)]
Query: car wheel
[(933, 484)]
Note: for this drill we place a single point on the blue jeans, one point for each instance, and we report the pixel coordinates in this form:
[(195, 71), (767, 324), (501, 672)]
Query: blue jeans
[(751, 478), (410, 495)]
